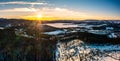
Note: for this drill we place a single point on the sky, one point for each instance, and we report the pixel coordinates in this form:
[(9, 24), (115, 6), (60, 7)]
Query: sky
[(60, 9)]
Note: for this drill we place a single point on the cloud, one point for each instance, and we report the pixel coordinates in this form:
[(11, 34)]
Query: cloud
[(19, 10), (22, 2), (61, 12), (46, 11)]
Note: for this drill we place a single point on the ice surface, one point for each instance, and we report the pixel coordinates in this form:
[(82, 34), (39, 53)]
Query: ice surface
[(54, 32), (62, 25)]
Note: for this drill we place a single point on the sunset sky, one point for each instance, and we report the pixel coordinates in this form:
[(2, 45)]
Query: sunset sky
[(60, 9)]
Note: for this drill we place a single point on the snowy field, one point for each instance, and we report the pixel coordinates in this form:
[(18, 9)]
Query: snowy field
[(76, 50)]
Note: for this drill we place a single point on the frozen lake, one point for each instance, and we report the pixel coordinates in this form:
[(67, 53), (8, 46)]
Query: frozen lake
[(62, 25)]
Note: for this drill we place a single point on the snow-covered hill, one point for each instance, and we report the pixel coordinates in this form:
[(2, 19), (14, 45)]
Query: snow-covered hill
[(76, 50)]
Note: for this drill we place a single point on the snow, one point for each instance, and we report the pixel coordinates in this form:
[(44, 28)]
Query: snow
[(109, 28), (112, 35), (1, 28), (101, 32), (109, 59), (76, 50)]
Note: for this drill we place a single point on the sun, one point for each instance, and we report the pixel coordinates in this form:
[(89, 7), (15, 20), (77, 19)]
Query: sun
[(39, 15)]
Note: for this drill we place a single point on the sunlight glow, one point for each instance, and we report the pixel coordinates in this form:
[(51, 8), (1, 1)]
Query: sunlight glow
[(39, 15)]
